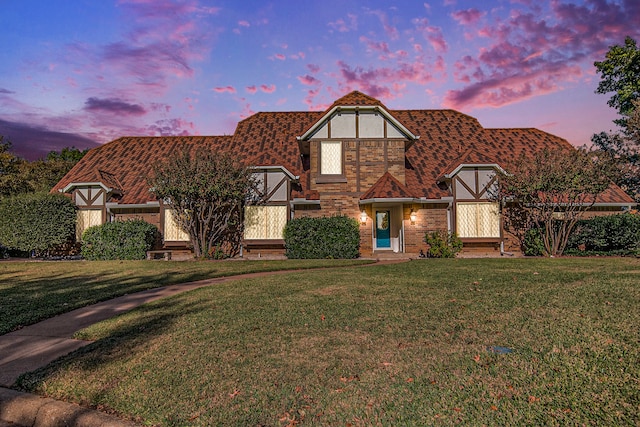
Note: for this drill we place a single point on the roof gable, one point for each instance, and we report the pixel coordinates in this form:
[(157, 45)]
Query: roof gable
[(387, 187), (356, 103)]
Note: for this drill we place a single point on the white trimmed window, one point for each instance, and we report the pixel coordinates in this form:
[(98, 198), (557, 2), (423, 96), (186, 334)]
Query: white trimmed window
[(264, 222), (331, 158), (172, 232), (87, 218), (477, 219)]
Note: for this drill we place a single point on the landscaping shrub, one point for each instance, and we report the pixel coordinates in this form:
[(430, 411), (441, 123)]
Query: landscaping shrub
[(118, 240), (36, 221), (326, 237), (442, 244), (606, 235), (533, 244)]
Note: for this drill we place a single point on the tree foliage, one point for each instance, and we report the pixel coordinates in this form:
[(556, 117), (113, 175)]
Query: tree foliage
[(208, 192), (550, 192), (620, 75), (36, 221), (18, 176)]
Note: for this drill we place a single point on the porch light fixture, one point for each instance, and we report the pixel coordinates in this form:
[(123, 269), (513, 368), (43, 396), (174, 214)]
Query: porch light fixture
[(413, 216), (363, 217)]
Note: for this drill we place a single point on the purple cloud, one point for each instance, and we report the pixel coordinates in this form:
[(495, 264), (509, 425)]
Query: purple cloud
[(6, 91), (35, 142), (530, 53), (113, 105), (468, 16)]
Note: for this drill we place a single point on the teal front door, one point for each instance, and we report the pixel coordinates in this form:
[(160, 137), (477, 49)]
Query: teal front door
[(383, 229)]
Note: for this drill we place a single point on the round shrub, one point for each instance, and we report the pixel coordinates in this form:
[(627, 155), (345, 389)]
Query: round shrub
[(118, 240), (442, 244), (335, 237)]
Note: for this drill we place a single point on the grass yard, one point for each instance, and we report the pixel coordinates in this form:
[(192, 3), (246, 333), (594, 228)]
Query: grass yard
[(405, 344), (34, 291)]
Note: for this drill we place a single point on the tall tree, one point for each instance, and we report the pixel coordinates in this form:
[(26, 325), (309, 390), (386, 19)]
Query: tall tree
[(550, 192), (208, 192), (620, 75), (12, 179)]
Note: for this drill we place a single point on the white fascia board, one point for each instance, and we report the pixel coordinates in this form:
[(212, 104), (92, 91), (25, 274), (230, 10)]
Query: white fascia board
[(112, 205), (473, 165), (73, 185), (390, 200), (279, 168), (308, 134)]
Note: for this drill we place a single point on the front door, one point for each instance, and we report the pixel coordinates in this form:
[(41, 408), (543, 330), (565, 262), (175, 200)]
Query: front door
[(383, 229)]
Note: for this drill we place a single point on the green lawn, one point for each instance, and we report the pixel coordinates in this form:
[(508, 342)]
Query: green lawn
[(404, 344), (33, 291)]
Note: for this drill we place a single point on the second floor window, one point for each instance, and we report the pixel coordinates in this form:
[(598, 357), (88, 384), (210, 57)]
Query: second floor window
[(331, 158)]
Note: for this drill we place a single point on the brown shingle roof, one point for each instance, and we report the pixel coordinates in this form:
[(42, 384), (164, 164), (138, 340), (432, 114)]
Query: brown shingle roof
[(447, 139), (128, 161), (388, 187)]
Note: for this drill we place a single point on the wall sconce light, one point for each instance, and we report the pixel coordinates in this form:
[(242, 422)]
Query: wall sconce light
[(363, 217), (413, 216)]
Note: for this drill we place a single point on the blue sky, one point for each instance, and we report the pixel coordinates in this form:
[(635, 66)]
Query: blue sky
[(81, 72)]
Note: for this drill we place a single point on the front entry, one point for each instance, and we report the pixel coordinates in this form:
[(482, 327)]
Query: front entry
[(383, 230)]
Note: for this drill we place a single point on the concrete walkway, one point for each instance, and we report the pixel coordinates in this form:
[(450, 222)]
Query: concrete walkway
[(35, 346)]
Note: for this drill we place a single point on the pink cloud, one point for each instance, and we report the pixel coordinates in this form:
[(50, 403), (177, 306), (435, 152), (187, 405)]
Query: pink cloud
[(308, 80), (379, 82), (432, 34), (391, 31), (167, 127), (530, 53), (468, 16), (227, 89), (279, 56), (268, 88), (251, 89), (244, 24), (343, 26), (314, 68)]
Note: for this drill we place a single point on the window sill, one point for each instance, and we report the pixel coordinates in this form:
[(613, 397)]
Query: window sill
[(328, 179)]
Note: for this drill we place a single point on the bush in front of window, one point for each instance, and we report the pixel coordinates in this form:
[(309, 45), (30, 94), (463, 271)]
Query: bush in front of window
[(442, 244), (335, 237), (118, 240)]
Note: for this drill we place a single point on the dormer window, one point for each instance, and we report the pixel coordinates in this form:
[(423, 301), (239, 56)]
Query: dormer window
[(331, 158)]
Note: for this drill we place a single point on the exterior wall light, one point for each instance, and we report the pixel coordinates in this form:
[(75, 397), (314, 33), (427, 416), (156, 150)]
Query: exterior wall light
[(363, 217), (413, 216)]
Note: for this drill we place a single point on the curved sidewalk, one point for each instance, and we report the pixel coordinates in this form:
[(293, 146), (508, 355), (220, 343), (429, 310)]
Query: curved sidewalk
[(37, 345)]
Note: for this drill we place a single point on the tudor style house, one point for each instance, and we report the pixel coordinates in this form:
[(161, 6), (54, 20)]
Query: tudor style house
[(400, 173)]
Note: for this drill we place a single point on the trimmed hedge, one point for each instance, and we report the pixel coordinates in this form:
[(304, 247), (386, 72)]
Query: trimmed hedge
[(118, 240), (325, 237), (606, 235), (36, 221)]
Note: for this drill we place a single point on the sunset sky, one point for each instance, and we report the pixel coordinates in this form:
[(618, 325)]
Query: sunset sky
[(82, 72)]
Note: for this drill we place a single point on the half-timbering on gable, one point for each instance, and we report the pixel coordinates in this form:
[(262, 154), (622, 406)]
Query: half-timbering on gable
[(400, 173)]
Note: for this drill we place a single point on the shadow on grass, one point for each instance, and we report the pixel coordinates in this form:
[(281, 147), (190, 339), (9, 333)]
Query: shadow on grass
[(123, 343), (32, 300)]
